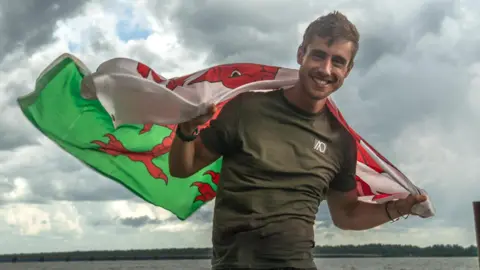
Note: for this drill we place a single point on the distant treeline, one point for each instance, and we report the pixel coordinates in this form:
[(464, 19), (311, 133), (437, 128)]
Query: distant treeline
[(371, 250)]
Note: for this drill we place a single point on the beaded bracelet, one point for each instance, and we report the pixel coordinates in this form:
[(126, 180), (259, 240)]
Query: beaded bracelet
[(388, 213)]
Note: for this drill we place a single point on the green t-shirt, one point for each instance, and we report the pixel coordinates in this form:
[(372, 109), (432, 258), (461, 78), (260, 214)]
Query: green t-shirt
[(278, 164)]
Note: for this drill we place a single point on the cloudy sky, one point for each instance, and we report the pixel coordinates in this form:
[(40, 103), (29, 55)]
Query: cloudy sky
[(414, 94)]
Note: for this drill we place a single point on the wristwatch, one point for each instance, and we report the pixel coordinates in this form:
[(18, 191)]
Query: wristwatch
[(186, 138)]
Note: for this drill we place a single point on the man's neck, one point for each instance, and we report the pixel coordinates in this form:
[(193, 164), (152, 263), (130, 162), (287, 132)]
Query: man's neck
[(298, 97)]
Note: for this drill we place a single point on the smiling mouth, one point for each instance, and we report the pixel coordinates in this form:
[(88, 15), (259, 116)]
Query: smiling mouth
[(322, 82)]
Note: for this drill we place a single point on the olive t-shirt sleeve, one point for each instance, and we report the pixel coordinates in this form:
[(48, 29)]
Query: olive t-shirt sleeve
[(345, 179), (221, 136)]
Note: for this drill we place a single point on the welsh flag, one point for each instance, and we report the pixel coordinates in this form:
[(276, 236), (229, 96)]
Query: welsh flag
[(120, 121)]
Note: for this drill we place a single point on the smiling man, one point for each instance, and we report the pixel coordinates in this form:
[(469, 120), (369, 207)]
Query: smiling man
[(283, 154)]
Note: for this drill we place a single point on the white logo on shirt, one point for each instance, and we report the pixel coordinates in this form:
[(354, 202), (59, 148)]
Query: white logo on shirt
[(319, 146)]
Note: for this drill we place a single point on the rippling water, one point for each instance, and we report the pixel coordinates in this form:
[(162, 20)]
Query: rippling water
[(330, 264)]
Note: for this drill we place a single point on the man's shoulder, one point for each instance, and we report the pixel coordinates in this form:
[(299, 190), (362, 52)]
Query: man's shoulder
[(348, 142), (345, 138), (256, 95), (252, 99)]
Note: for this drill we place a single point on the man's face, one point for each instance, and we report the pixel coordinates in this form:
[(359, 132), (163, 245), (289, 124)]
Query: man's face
[(324, 66)]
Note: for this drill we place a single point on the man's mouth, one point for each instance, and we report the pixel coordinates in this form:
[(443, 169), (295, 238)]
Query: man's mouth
[(322, 82)]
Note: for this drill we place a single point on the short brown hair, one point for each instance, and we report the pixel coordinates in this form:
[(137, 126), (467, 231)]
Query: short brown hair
[(336, 26)]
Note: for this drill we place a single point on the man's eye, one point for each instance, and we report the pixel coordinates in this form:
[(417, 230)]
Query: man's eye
[(339, 62)]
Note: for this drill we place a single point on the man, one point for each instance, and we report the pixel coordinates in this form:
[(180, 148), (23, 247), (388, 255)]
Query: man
[(283, 153)]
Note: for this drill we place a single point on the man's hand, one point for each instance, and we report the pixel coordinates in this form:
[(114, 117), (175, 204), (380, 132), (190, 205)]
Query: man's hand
[(190, 126), (187, 158), (348, 213), (404, 206)]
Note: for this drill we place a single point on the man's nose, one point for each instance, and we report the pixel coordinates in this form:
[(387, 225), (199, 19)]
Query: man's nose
[(325, 67)]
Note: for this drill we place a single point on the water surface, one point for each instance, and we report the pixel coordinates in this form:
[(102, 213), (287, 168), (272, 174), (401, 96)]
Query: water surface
[(324, 263)]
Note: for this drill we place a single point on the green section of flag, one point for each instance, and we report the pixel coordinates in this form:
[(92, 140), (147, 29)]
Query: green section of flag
[(80, 126)]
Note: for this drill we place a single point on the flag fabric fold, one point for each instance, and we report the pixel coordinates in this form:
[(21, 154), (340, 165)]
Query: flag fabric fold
[(120, 121)]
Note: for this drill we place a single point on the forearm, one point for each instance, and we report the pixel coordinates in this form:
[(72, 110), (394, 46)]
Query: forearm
[(364, 216), (181, 157)]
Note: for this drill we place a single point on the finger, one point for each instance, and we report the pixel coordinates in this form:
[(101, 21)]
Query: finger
[(421, 198), (212, 109), (208, 114), (414, 199)]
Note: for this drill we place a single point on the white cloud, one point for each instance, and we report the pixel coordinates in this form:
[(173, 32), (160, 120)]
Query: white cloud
[(61, 218)]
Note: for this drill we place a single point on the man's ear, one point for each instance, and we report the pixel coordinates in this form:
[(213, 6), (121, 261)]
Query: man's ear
[(300, 54)]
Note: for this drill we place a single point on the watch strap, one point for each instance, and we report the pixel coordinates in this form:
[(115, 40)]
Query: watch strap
[(184, 137)]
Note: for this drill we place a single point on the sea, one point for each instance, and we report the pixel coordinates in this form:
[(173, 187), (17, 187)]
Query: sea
[(469, 263)]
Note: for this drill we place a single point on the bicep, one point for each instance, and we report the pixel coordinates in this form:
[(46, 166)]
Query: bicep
[(341, 205), (342, 195), (339, 200), (344, 180), (221, 136), (203, 156)]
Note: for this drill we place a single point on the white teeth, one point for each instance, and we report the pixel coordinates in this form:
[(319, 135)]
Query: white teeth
[(321, 82)]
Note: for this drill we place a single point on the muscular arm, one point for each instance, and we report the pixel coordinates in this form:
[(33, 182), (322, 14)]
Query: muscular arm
[(347, 212), (219, 139), (187, 158), (350, 214)]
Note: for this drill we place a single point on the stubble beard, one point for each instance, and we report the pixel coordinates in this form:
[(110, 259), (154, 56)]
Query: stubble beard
[(309, 88)]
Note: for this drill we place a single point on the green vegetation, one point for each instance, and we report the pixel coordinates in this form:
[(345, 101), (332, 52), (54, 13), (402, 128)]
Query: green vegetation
[(399, 250), (371, 250)]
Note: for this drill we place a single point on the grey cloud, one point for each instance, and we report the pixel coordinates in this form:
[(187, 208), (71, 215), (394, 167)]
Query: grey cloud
[(99, 43), (132, 222), (87, 192), (10, 139), (142, 221), (10, 91), (424, 89), (203, 215), (84, 184), (28, 25), (395, 37), (49, 182), (329, 236), (431, 15), (15, 131), (160, 63), (6, 187), (323, 213), (25, 26), (100, 222), (238, 30), (268, 32), (453, 204)]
